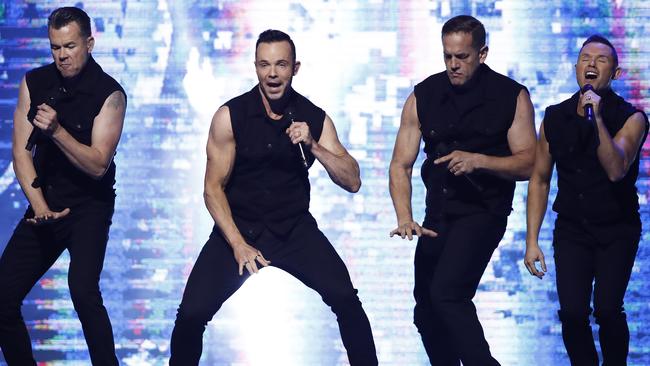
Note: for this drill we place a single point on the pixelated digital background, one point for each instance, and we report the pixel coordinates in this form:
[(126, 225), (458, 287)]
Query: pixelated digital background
[(180, 60)]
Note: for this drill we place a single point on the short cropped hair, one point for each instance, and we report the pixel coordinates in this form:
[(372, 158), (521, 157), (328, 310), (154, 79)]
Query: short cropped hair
[(597, 38), (61, 17), (466, 24), (273, 35)]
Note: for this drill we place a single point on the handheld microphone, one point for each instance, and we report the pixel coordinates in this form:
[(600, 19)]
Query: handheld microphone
[(442, 149), (589, 108), (59, 94), (289, 112)]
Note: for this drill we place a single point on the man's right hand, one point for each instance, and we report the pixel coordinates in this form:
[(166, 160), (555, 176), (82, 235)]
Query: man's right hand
[(410, 228), (248, 257), (47, 216), (534, 254)]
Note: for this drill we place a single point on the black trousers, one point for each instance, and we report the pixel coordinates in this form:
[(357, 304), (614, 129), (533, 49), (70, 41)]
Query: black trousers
[(448, 269), (31, 251), (304, 253), (598, 259)]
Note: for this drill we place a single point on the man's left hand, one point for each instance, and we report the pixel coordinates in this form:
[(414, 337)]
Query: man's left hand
[(46, 119), (299, 132), (460, 162)]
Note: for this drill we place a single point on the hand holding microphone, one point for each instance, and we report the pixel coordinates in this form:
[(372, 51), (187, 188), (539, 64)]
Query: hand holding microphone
[(45, 112), (298, 132), (589, 106)]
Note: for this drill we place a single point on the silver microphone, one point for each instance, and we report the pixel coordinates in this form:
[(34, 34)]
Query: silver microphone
[(289, 113)]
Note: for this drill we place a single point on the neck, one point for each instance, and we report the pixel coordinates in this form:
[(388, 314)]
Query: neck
[(600, 91), (469, 84), (275, 108), (72, 82)]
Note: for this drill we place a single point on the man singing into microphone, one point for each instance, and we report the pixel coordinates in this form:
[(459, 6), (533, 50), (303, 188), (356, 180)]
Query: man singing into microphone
[(257, 191), (479, 137), (598, 227), (74, 113)]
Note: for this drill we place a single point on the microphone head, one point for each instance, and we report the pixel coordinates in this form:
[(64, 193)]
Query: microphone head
[(587, 87)]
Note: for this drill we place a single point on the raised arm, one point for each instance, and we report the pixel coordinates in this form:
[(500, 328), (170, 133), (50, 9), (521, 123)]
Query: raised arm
[(407, 146), (342, 168), (618, 153), (220, 160), (521, 140), (538, 189)]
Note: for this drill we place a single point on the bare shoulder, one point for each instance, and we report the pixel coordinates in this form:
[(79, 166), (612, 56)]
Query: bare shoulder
[(410, 112), (116, 101), (523, 99), (411, 103), (635, 127), (329, 137), (221, 119), (221, 126), (328, 123), (23, 95), (638, 119), (22, 127), (411, 100), (524, 113)]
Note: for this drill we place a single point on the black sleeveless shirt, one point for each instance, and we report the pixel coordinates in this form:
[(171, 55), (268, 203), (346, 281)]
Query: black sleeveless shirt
[(585, 193), (269, 185), (78, 101), (474, 118)]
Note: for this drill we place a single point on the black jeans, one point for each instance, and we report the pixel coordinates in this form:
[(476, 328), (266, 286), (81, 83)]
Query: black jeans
[(600, 259), (304, 253), (31, 251), (448, 269)]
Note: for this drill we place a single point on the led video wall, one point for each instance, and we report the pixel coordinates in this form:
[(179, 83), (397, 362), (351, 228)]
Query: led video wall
[(180, 60)]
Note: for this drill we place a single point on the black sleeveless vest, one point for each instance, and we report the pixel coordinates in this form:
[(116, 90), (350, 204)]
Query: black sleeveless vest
[(77, 105), (269, 186), (473, 119), (585, 193)]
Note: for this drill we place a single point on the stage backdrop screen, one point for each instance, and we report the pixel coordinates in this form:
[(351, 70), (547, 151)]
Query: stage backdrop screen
[(180, 60)]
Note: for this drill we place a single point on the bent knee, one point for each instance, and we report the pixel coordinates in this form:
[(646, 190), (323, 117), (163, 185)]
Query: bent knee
[(194, 315), (608, 316), (84, 296), (574, 316), (342, 299), (442, 297)]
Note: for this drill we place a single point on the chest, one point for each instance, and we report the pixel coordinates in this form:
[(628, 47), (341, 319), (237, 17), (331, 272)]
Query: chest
[(260, 141), (76, 112)]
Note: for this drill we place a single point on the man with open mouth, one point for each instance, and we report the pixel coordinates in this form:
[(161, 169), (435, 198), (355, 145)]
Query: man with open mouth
[(594, 138), (260, 147)]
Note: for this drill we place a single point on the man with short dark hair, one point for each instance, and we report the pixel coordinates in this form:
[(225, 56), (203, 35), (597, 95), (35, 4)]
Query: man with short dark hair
[(479, 137), (594, 138), (67, 124), (257, 190)]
